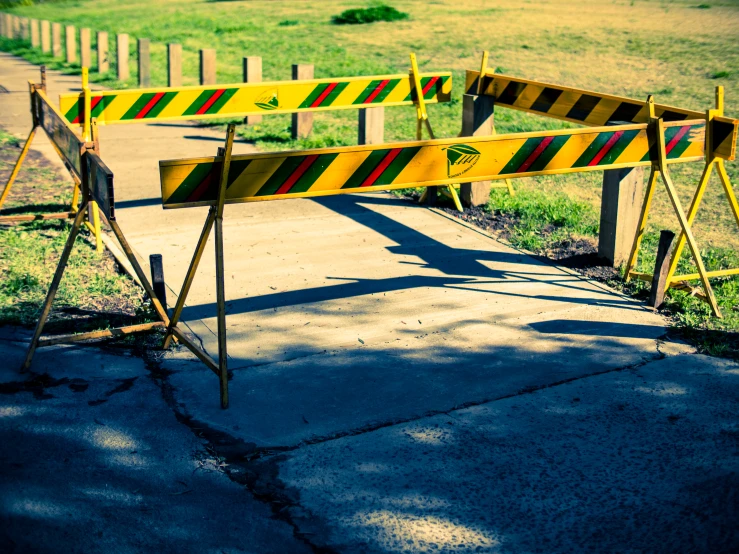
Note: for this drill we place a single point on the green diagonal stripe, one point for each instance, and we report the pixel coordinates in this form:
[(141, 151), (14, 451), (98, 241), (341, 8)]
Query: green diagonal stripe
[(218, 104), (384, 92), (156, 110), (593, 149), (681, 146), (366, 92), (190, 183), (313, 173), (521, 155), (549, 152), (334, 94), (280, 176), (199, 101), (363, 171), (619, 147), (315, 93), (74, 111), (397, 165), (105, 101), (139, 105)]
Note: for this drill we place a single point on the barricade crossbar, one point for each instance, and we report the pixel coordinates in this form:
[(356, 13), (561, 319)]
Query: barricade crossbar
[(591, 108), (245, 99)]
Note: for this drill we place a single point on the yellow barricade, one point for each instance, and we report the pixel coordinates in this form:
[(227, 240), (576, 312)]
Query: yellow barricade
[(224, 179)]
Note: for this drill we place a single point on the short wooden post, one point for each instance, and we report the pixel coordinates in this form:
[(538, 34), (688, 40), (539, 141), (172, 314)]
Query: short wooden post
[(5, 25), (17, 28), (661, 269), (252, 74), (71, 43), (622, 197), (85, 48), (208, 66), (144, 60), (302, 123), (102, 47), (35, 34), (477, 120), (25, 29), (371, 126), (174, 65), (56, 39), (157, 279), (45, 37), (121, 48)]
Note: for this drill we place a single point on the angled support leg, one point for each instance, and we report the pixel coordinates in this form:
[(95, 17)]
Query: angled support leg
[(17, 166), (46, 309)]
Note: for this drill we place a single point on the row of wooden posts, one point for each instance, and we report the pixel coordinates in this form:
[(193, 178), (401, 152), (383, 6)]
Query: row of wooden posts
[(78, 50)]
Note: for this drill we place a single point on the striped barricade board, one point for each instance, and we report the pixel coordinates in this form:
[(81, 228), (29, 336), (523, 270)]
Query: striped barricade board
[(592, 108), (202, 102), (64, 138), (272, 176)]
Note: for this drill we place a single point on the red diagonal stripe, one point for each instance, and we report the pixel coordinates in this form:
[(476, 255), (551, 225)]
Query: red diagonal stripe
[(378, 90), (323, 96), (680, 134), (430, 84), (146, 109), (205, 107), (297, 174), (201, 189), (535, 154), (93, 104), (606, 147), (382, 166)]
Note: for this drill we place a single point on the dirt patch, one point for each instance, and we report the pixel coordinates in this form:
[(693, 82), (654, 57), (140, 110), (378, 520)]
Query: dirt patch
[(578, 253)]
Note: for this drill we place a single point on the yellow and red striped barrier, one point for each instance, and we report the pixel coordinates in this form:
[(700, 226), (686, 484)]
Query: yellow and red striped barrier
[(272, 176), (592, 108), (202, 102)]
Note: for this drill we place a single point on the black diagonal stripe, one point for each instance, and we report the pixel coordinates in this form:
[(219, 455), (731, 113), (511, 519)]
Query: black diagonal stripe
[(721, 131), (626, 112), (546, 100), (511, 93), (582, 108), (667, 115)]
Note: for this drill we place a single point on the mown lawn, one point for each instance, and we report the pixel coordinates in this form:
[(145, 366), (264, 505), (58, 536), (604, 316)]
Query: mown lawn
[(677, 50)]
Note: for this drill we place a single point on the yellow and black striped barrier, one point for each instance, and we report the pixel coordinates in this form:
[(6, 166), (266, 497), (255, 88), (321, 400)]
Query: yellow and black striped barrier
[(246, 99), (591, 108)]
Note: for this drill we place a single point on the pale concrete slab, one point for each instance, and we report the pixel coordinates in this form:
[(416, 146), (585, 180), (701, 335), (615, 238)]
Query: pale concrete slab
[(94, 460), (632, 461)]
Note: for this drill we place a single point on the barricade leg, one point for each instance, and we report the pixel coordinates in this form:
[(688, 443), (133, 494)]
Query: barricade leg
[(53, 289), (17, 167)]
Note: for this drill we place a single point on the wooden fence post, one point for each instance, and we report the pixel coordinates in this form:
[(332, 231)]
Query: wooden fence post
[(102, 47), (56, 39), (477, 120), (371, 125), (121, 45), (302, 123), (45, 37), (17, 27), (207, 66), (71, 43), (623, 194), (661, 269), (144, 60), (252, 74), (25, 29), (174, 65), (35, 41), (85, 48)]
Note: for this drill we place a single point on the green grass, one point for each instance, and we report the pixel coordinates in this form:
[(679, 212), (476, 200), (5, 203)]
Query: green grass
[(92, 295)]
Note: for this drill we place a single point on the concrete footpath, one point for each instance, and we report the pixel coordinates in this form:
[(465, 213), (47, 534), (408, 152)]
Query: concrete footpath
[(401, 383)]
